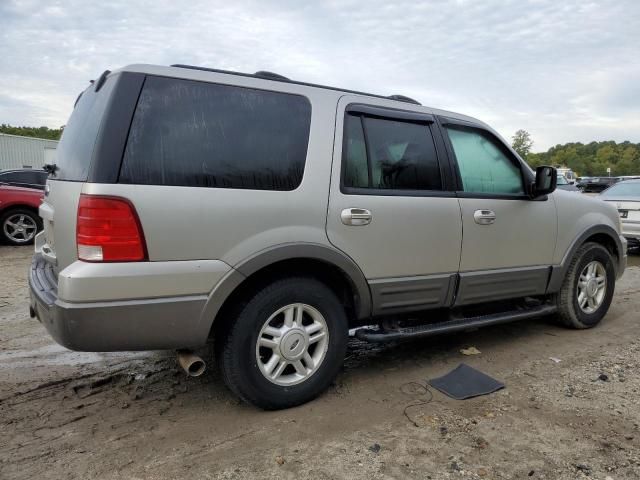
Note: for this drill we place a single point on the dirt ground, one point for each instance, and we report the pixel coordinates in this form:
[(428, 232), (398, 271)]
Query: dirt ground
[(136, 416)]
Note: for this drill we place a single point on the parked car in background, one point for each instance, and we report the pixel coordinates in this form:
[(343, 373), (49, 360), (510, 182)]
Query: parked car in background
[(288, 214), (625, 196), (563, 184), (19, 220), (568, 174), (25, 177), (596, 184)]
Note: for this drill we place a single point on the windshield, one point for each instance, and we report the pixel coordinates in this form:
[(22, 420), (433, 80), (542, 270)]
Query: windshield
[(562, 180), (623, 189)]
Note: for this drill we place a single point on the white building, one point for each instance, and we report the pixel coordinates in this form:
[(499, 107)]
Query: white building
[(25, 152)]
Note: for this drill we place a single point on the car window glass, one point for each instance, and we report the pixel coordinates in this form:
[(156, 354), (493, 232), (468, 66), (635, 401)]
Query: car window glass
[(356, 169), (75, 150), (202, 134), (623, 189), (398, 155), (483, 165), (7, 177)]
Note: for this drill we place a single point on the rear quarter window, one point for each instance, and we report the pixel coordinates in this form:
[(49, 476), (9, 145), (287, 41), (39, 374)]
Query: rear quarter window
[(190, 133)]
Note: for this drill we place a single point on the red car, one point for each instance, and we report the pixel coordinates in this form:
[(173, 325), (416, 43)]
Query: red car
[(19, 220)]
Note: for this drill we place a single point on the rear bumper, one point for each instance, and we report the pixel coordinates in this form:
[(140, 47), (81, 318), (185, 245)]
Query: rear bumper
[(141, 324)]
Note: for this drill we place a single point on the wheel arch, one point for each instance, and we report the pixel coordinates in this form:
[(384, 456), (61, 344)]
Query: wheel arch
[(334, 268), (18, 206), (601, 234)]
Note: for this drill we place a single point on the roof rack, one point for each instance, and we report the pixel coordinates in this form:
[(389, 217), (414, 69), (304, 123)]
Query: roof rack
[(270, 76), (280, 78), (404, 98)]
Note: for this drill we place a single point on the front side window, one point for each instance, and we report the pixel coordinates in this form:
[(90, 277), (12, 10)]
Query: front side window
[(190, 133), (483, 164), (389, 154)]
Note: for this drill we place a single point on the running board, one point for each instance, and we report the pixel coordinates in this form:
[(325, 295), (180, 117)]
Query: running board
[(450, 326)]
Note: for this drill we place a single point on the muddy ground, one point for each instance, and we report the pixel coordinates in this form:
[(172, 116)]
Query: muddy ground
[(135, 416)]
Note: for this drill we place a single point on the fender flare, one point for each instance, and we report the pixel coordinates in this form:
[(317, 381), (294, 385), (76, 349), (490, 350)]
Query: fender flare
[(558, 272), (269, 256)]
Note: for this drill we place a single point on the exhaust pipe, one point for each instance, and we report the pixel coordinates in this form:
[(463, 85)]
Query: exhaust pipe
[(191, 363)]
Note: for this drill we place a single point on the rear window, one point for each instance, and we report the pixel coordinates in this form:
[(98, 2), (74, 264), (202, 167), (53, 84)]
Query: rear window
[(73, 156), (190, 133)]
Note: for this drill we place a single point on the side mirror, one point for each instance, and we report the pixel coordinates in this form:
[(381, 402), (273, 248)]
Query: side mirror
[(545, 183)]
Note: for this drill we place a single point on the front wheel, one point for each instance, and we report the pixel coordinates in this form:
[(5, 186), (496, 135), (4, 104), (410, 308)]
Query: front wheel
[(587, 290), (286, 345)]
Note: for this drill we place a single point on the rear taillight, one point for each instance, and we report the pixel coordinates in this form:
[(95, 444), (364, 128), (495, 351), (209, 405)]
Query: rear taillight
[(108, 230)]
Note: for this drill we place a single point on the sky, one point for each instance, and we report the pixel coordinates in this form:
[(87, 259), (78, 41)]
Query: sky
[(565, 71)]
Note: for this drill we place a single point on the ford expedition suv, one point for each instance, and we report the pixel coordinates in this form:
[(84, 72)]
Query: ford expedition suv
[(273, 216)]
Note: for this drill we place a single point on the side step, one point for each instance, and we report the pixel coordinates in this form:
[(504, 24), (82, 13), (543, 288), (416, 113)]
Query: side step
[(450, 326)]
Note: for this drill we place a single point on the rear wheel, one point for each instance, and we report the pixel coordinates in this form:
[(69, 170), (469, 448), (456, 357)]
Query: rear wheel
[(19, 226), (587, 291), (286, 345)]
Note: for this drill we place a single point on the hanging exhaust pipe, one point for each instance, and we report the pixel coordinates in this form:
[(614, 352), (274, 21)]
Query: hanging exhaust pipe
[(191, 363)]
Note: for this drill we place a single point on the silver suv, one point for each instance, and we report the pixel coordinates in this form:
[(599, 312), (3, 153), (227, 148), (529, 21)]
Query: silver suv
[(273, 216)]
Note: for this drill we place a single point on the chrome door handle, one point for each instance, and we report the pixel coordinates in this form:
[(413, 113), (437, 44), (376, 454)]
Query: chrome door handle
[(355, 216), (484, 217)]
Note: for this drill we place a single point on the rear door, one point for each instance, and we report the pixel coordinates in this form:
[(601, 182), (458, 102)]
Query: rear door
[(509, 239), (391, 207)]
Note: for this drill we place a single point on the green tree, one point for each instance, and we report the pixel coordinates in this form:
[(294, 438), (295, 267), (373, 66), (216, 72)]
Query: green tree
[(522, 143), (38, 132)]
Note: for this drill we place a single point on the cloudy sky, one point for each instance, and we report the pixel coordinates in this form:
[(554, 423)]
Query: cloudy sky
[(563, 70)]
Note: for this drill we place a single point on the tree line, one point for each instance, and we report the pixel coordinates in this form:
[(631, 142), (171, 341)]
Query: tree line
[(590, 159), (38, 132)]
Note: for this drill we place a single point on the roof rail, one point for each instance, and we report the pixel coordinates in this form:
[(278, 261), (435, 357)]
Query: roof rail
[(270, 76), (404, 98), (280, 78)]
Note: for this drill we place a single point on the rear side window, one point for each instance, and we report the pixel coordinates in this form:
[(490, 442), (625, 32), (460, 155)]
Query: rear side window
[(190, 133), (484, 166), (74, 152), (389, 154)]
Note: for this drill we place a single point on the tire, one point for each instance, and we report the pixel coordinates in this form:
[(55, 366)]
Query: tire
[(570, 312), (15, 219), (243, 362)]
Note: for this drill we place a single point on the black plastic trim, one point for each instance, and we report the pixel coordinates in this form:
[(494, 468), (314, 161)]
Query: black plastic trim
[(389, 113), (289, 251), (100, 82), (407, 294), (452, 325), (114, 129), (383, 192), (559, 272), (501, 284), (404, 98)]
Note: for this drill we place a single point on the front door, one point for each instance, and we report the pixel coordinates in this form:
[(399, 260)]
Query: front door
[(391, 209), (509, 239)]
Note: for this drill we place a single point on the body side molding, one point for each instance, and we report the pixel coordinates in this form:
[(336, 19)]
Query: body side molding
[(501, 284), (407, 294)]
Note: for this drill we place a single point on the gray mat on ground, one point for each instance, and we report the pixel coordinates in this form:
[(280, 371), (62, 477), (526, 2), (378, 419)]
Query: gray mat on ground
[(465, 382)]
